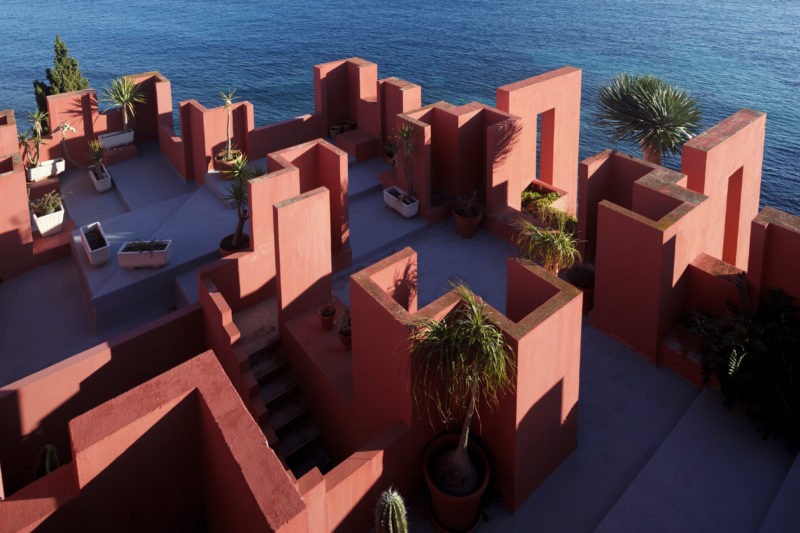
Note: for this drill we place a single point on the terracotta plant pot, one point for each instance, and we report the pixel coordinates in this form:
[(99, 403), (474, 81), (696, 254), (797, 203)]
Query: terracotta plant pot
[(222, 164), (327, 313), (455, 513), (467, 227), (334, 130), (226, 245)]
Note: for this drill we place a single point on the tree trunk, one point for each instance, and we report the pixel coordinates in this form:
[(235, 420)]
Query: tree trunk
[(652, 156), (124, 118), (228, 134)]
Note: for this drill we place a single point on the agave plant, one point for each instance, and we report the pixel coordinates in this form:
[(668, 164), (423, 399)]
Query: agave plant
[(458, 362), (240, 174), (556, 248), (656, 114), (124, 92), (95, 150)]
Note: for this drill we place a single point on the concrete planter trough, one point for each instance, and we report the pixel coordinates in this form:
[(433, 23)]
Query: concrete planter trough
[(101, 179), (395, 198), (116, 138), (45, 169), (50, 223), (101, 252), (144, 254)]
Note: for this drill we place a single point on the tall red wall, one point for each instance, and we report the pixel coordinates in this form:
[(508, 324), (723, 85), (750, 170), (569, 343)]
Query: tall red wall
[(16, 238), (709, 160), (556, 95), (774, 254)]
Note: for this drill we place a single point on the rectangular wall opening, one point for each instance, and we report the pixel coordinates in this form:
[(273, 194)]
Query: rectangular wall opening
[(733, 205), (546, 125)]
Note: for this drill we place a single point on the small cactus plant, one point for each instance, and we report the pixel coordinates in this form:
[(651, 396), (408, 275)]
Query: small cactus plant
[(390, 513)]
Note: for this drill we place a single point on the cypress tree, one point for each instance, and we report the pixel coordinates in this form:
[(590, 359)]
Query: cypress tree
[(66, 76)]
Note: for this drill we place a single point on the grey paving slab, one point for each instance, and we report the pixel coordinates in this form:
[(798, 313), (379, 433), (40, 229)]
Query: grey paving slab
[(147, 179), (784, 515), (373, 225), (84, 203), (364, 176), (714, 472), (44, 319)]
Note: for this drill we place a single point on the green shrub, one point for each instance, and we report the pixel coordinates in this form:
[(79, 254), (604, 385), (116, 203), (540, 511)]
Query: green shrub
[(754, 353)]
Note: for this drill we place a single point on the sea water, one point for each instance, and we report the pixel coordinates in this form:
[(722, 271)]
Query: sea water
[(730, 54)]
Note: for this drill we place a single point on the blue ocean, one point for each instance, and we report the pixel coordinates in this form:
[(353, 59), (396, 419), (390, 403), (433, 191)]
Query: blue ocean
[(730, 54)]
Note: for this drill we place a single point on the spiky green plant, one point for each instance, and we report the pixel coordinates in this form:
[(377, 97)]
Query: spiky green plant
[(240, 173), (227, 99), (37, 119), (30, 144), (390, 513), (95, 150), (47, 204), (124, 93), (404, 138), (458, 362), (556, 248), (659, 116)]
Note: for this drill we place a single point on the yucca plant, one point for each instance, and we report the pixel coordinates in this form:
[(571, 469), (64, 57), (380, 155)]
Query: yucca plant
[(555, 248), (404, 137), (240, 174), (38, 119), (390, 513), (124, 93), (659, 116), (458, 362), (95, 150), (30, 144), (227, 99)]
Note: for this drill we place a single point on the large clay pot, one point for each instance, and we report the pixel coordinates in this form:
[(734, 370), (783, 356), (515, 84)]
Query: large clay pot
[(327, 313), (467, 227), (455, 513), (226, 247)]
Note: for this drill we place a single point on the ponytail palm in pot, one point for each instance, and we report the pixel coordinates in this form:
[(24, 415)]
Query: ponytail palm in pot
[(124, 93), (239, 174), (458, 363)]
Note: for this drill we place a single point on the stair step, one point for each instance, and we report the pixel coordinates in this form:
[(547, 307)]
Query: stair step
[(279, 385), (713, 472), (264, 363), (300, 436), (311, 456), (286, 411), (258, 325)]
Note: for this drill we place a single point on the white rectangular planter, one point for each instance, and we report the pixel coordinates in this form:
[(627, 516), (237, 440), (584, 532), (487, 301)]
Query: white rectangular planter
[(393, 197), (49, 224), (45, 169), (98, 256), (116, 138), (100, 177), (154, 259)]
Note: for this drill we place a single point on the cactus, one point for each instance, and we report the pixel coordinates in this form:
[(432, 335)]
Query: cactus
[(390, 513)]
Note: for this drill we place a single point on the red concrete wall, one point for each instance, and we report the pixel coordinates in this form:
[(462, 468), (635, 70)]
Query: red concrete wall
[(710, 160), (280, 135), (16, 238), (331, 92), (396, 96), (35, 410), (8, 132), (303, 265), (556, 95), (774, 253)]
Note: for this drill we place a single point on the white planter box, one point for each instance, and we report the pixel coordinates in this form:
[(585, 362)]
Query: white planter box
[(116, 138), (154, 259), (393, 197), (45, 169), (49, 224), (100, 177), (99, 255)]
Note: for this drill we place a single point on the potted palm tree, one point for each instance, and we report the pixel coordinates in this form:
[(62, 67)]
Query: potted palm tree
[(124, 93), (457, 363), (657, 115), (240, 173), (401, 201), (555, 248), (98, 173), (224, 159)]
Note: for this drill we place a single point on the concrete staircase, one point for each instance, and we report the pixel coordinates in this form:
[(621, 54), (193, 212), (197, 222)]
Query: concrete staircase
[(287, 424)]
